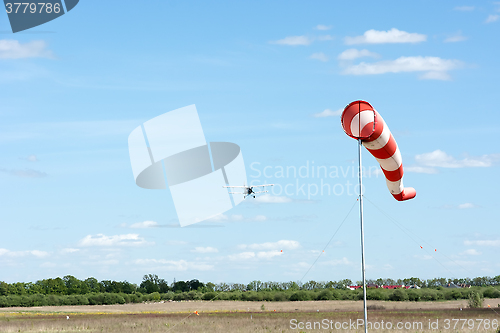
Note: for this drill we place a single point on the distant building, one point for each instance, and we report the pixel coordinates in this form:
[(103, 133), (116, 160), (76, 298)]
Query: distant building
[(459, 285), (396, 287), (374, 286)]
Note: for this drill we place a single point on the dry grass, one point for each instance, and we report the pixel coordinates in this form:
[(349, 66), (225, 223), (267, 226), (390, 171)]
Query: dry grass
[(227, 316)]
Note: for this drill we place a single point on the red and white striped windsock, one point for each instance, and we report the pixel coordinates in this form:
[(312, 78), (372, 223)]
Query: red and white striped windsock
[(361, 121)]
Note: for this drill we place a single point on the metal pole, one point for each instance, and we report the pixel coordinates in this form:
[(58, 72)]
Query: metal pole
[(362, 232)]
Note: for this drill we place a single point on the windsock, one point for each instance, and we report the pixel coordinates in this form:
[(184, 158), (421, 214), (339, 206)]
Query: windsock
[(361, 122)]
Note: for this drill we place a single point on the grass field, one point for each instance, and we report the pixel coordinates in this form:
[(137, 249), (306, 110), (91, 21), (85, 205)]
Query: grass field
[(228, 316)]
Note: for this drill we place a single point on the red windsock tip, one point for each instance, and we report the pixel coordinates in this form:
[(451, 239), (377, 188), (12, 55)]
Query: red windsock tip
[(407, 194)]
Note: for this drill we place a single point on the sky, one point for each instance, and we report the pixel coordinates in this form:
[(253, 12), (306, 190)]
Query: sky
[(272, 77)]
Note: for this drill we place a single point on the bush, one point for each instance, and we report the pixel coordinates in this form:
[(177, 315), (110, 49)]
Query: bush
[(180, 296), (223, 296), (155, 296), (280, 297), (126, 297), (398, 295), (375, 295), (268, 296), (336, 295), (134, 299), (413, 295), (254, 296), (325, 295), (428, 295), (53, 300), (82, 300), (235, 296), (475, 300), (4, 302), (491, 293), (300, 296), (167, 296), (39, 300), (209, 296)]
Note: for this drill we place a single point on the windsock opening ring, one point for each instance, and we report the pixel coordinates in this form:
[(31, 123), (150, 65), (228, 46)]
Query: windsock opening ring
[(359, 120), (362, 122)]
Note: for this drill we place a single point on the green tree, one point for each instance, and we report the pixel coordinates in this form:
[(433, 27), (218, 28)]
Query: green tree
[(129, 288), (93, 286), (3, 288), (73, 285), (150, 283), (180, 286), (195, 284)]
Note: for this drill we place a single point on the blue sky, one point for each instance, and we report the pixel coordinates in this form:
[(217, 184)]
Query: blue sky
[(272, 78)]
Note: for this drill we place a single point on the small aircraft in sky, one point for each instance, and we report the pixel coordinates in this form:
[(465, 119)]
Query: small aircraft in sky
[(248, 190)]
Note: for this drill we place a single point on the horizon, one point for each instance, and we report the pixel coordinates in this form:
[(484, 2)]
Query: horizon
[(272, 78)]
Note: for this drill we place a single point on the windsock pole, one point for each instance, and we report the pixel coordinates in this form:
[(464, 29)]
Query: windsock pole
[(362, 233)]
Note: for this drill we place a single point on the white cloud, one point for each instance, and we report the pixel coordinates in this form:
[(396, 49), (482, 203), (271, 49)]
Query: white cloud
[(272, 199), (279, 245), (382, 37), (435, 65), (352, 54), (36, 253), (12, 49), (343, 261), (26, 173), (494, 243), (420, 169), (241, 256), (69, 250), (145, 224), (323, 27), (467, 205), (328, 113), (116, 240), (260, 218), (294, 41), (319, 56), (219, 217), (39, 254), (464, 8), (30, 158), (269, 254), (471, 252), (324, 38), (492, 18), (439, 158), (458, 37), (208, 249), (175, 265)]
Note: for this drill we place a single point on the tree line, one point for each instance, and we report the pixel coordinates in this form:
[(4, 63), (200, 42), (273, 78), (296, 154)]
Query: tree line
[(151, 283), (72, 291)]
